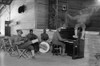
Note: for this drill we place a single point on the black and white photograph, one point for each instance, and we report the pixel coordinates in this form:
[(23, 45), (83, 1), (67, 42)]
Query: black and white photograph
[(49, 32)]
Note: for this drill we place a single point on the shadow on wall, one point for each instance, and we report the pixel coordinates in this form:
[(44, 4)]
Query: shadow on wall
[(94, 22)]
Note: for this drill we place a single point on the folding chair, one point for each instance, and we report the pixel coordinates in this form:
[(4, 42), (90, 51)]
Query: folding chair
[(22, 52), (7, 45)]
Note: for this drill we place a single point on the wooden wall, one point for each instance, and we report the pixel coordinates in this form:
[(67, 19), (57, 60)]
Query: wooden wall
[(74, 6), (94, 22), (41, 13)]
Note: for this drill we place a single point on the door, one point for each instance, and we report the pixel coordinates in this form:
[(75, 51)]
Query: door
[(7, 28)]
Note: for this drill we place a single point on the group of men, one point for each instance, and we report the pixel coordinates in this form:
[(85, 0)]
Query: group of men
[(29, 42), (34, 47)]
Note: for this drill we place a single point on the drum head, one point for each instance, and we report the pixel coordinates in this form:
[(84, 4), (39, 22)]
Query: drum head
[(44, 47)]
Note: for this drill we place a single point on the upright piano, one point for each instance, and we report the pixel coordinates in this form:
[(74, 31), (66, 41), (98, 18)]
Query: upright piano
[(75, 46)]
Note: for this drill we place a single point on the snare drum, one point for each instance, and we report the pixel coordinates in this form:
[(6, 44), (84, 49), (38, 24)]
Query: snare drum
[(44, 47)]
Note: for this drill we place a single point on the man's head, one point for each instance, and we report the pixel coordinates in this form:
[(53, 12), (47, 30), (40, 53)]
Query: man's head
[(31, 31), (59, 29), (44, 30), (19, 32), (65, 25)]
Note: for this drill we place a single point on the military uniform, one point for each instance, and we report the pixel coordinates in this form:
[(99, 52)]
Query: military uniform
[(18, 40), (35, 45)]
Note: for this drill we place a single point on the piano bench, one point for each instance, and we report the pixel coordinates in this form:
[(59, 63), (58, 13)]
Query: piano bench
[(56, 49)]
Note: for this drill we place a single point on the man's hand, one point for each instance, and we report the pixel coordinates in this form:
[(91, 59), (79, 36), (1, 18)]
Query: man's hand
[(75, 36), (82, 37)]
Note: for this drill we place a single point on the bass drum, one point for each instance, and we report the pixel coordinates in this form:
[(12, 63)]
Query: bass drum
[(44, 47)]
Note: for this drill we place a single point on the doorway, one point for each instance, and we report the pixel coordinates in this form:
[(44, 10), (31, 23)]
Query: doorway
[(7, 28)]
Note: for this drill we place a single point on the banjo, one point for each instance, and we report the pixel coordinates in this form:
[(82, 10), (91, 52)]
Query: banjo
[(44, 47)]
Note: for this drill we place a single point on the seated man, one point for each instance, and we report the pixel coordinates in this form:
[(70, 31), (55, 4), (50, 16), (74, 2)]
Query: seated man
[(58, 40), (31, 36), (18, 40), (44, 36)]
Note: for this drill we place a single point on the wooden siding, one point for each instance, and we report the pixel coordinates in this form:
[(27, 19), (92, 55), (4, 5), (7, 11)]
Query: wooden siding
[(42, 13)]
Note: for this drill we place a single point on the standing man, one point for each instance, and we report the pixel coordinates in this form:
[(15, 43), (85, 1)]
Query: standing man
[(81, 19)]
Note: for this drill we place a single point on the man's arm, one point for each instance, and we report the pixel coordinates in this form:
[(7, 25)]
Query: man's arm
[(20, 42), (14, 40), (27, 35), (73, 18), (47, 36), (90, 10), (36, 36), (60, 38)]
